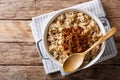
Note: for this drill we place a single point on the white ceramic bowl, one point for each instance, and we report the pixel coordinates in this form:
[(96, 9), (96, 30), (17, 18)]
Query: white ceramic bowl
[(79, 10)]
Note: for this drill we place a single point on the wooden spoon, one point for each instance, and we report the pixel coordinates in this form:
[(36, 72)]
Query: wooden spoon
[(74, 61)]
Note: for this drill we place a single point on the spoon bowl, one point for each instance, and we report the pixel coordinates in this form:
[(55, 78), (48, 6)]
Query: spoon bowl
[(75, 61)]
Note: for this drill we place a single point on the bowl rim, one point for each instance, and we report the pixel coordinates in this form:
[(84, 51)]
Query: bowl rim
[(102, 29)]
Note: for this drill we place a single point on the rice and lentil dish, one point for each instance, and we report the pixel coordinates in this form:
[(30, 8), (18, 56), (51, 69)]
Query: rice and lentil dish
[(73, 32)]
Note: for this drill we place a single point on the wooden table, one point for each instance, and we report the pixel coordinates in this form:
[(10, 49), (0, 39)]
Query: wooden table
[(19, 59)]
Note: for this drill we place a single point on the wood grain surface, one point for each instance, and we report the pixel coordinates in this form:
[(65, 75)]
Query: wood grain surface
[(15, 31), (19, 59), (24, 9), (37, 73)]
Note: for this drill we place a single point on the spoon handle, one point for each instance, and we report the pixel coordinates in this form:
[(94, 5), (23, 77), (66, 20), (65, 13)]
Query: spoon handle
[(103, 38)]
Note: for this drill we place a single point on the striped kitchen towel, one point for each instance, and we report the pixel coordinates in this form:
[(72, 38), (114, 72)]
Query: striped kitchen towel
[(38, 25)]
